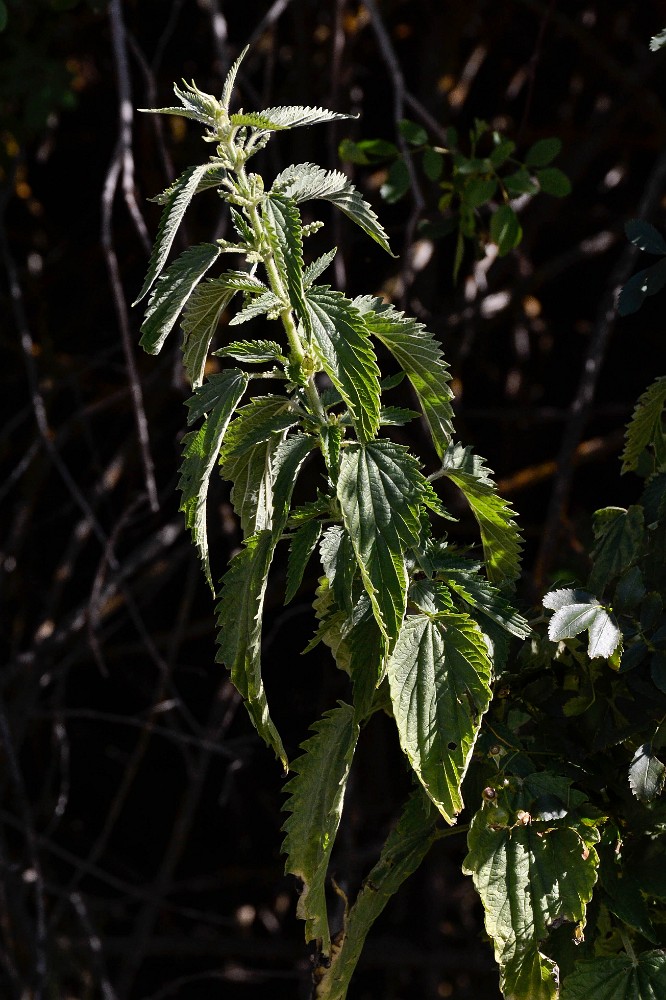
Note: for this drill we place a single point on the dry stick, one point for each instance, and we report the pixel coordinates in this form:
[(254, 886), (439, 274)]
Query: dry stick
[(122, 161), (398, 82), (580, 408), (95, 944)]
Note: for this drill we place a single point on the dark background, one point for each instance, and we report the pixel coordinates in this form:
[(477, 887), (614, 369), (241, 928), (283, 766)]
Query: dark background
[(140, 815)]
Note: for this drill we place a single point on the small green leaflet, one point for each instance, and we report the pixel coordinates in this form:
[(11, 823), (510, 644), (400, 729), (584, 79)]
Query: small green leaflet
[(178, 198), (305, 181), (301, 548), (646, 425), (266, 302), (316, 795), (275, 119), (404, 850), (200, 318), (317, 267), (439, 674), (200, 452), (380, 488), (517, 870), (201, 107), (420, 356), (499, 534), (283, 221), (230, 80), (172, 292), (577, 611), (618, 978), (253, 351), (647, 774), (346, 355)]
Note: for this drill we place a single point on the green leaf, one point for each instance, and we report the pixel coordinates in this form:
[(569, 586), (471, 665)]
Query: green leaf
[(505, 229), (645, 426), (480, 594), (499, 534), (200, 318), (439, 675), (517, 870), (433, 163), (276, 119), (337, 558), (644, 236), (397, 183), (618, 547), (404, 850), (179, 195), (502, 152), (305, 181), (367, 655), (519, 183), (640, 286), (554, 181), (420, 356), (253, 352), (301, 548), (316, 795), (172, 292), (203, 108), (647, 774), (577, 611), (266, 302), (414, 134), (478, 191), (543, 152), (345, 353), (200, 452), (618, 978), (230, 80), (283, 221), (380, 489)]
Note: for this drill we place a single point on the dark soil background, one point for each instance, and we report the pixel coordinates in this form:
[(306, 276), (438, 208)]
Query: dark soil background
[(140, 815)]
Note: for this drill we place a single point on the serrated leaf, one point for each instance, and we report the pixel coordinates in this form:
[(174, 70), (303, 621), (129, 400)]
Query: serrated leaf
[(543, 152), (499, 534), (253, 351), (505, 229), (380, 489), (646, 774), (420, 356), (646, 424), (305, 181), (618, 978), (480, 594), (577, 611), (171, 293), (316, 796), (215, 173), (367, 656), (200, 452), (617, 548), (517, 871), (230, 80), (554, 181), (264, 303), (317, 267), (301, 548), (644, 236), (396, 416), (439, 675), (658, 41), (331, 626), (200, 318), (179, 195), (276, 119), (404, 850), (345, 353), (337, 558)]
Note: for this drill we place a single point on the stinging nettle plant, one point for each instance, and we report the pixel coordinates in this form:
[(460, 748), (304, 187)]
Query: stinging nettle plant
[(420, 626)]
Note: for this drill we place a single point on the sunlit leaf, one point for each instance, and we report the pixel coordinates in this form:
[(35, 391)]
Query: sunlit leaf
[(171, 293)]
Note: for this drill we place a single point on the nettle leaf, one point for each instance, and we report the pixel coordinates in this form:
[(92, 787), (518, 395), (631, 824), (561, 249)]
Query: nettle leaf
[(499, 533), (380, 488), (178, 197), (367, 656), (517, 871), (230, 80), (404, 850), (266, 302), (215, 173), (253, 351), (306, 181), (619, 542), (578, 611), (618, 978), (301, 548), (240, 609), (658, 41), (172, 292), (645, 428), (420, 356), (284, 223), (200, 318), (200, 451), (647, 774), (316, 796), (317, 267), (345, 353), (276, 119), (439, 675), (337, 558), (480, 594), (204, 107)]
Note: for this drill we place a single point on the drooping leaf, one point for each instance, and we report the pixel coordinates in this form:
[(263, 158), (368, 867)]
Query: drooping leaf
[(517, 869), (253, 351), (284, 224), (179, 195), (200, 318), (618, 978), (331, 626), (404, 850), (480, 594), (171, 293), (337, 558), (420, 356), (276, 119), (647, 774), (646, 424), (305, 181), (200, 452), (439, 675), (316, 795), (380, 488), (499, 533), (345, 352), (367, 656), (302, 546), (578, 611)]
